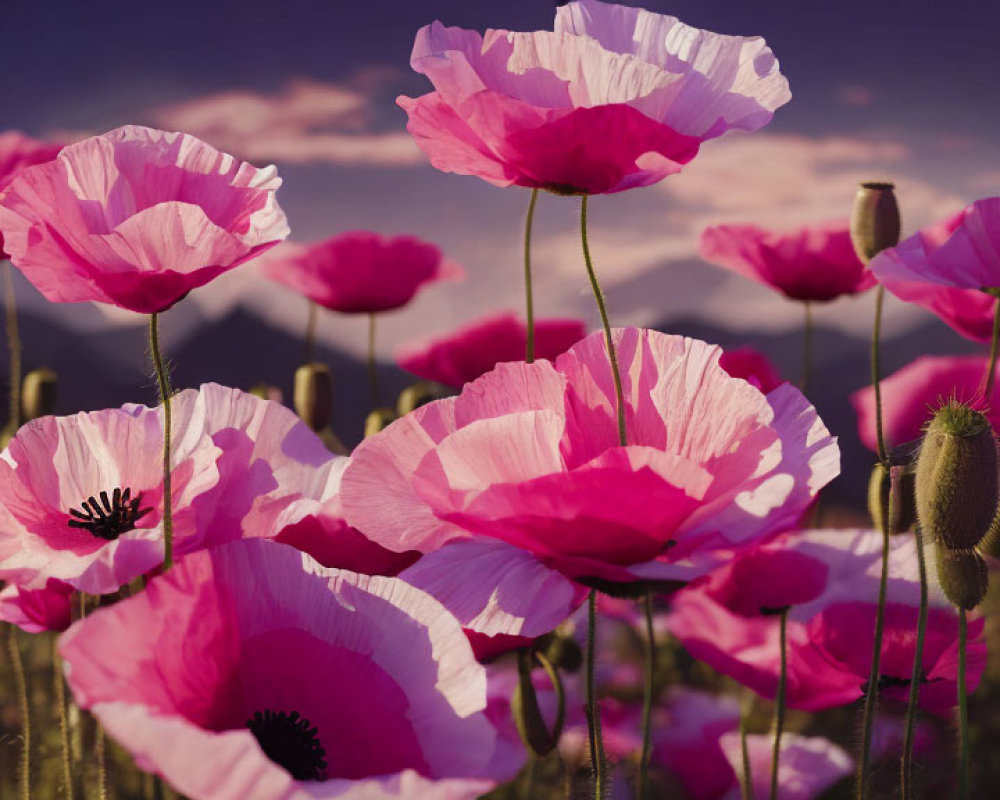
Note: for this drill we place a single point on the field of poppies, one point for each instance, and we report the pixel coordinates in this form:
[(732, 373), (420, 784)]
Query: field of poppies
[(561, 564)]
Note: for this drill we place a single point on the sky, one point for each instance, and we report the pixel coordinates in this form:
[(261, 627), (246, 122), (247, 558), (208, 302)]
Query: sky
[(881, 90)]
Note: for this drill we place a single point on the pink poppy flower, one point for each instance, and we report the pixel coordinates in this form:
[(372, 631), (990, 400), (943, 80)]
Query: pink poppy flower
[(813, 263), (943, 268), (752, 366), (503, 596), (529, 454), (304, 683), (727, 620), (18, 151), (37, 610), (614, 98), (80, 498), (472, 351), (910, 394), (807, 765), (360, 272), (137, 218)]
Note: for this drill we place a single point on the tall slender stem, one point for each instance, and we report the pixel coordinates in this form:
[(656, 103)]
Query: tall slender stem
[(599, 297), (372, 367), (871, 693), (916, 678), (59, 691), (100, 754), (988, 387), (14, 349), (746, 777), (647, 696), (529, 305), (779, 704), (310, 341), (163, 381), (807, 340), (877, 375), (593, 712), (963, 709), (21, 687)]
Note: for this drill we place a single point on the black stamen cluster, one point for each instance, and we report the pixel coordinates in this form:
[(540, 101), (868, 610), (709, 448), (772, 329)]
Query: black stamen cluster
[(111, 517), (290, 741)]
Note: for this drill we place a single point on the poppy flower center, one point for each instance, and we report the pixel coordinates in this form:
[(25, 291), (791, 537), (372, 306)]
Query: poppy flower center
[(111, 517), (290, 741)]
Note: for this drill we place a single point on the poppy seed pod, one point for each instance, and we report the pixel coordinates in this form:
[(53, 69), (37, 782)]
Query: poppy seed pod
[(313, 394), (419, 394), (875, 221), (902, 509), (38, 393), (962, 575), (377, 420), (956, 480)]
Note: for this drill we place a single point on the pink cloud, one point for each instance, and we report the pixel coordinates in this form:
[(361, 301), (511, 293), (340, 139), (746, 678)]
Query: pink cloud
[(307, 121)]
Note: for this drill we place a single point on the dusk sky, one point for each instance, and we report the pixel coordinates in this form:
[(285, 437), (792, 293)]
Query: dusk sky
[(905, 92)]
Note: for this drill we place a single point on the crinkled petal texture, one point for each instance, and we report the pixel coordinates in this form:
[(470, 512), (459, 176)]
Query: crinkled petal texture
[(727, 620), (529, 454), (813, 263), (613, 99), (944, 267), (17, 152), (137, 218), (37, 610), (910, 395), (503, 596), (807, 765), (57, 465), (381, 671), (361, 272), (472, 351)]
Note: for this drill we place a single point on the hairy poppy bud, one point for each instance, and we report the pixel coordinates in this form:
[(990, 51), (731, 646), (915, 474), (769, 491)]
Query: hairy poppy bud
[(531, 726), (874, 220), (38, 393), (963, 576), (957, 482), (902, 508), (378, 419), (419, 394), (313, 394)]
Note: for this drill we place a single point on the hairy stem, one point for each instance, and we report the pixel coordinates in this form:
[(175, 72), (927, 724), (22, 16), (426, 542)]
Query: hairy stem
[(59, 692), (963, 709), (529, 305), (372, 367), (14, 349), (779, 705), (916, 677), (647, 697), (597, 762), (163, 382)]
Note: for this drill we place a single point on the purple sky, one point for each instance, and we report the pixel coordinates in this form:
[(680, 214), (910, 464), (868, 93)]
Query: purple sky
[(905, 92)]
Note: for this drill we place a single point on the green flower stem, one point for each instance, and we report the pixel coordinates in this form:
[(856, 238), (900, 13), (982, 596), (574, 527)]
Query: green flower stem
[(963, 710), (21, 687), (529, 305), (372, 367), (807, 343), (876, 375), (647, 697), (871, 694), (917, 675), (59, 692), (163, 381), (746, 777), (597, 762), (779, 705), (599, 297), (988, 389), (14, 348), (310, 341)]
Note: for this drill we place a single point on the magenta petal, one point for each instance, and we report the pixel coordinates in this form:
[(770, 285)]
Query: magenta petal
[(37, 610)]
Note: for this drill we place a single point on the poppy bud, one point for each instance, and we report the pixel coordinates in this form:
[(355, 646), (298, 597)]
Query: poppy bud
[(902, 509), (266, 392), (419, 394), (38, 393), (332, 442), (313, 394), (531, 726), (957, 482), (963, 576), (874, 220), (378, 419)]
